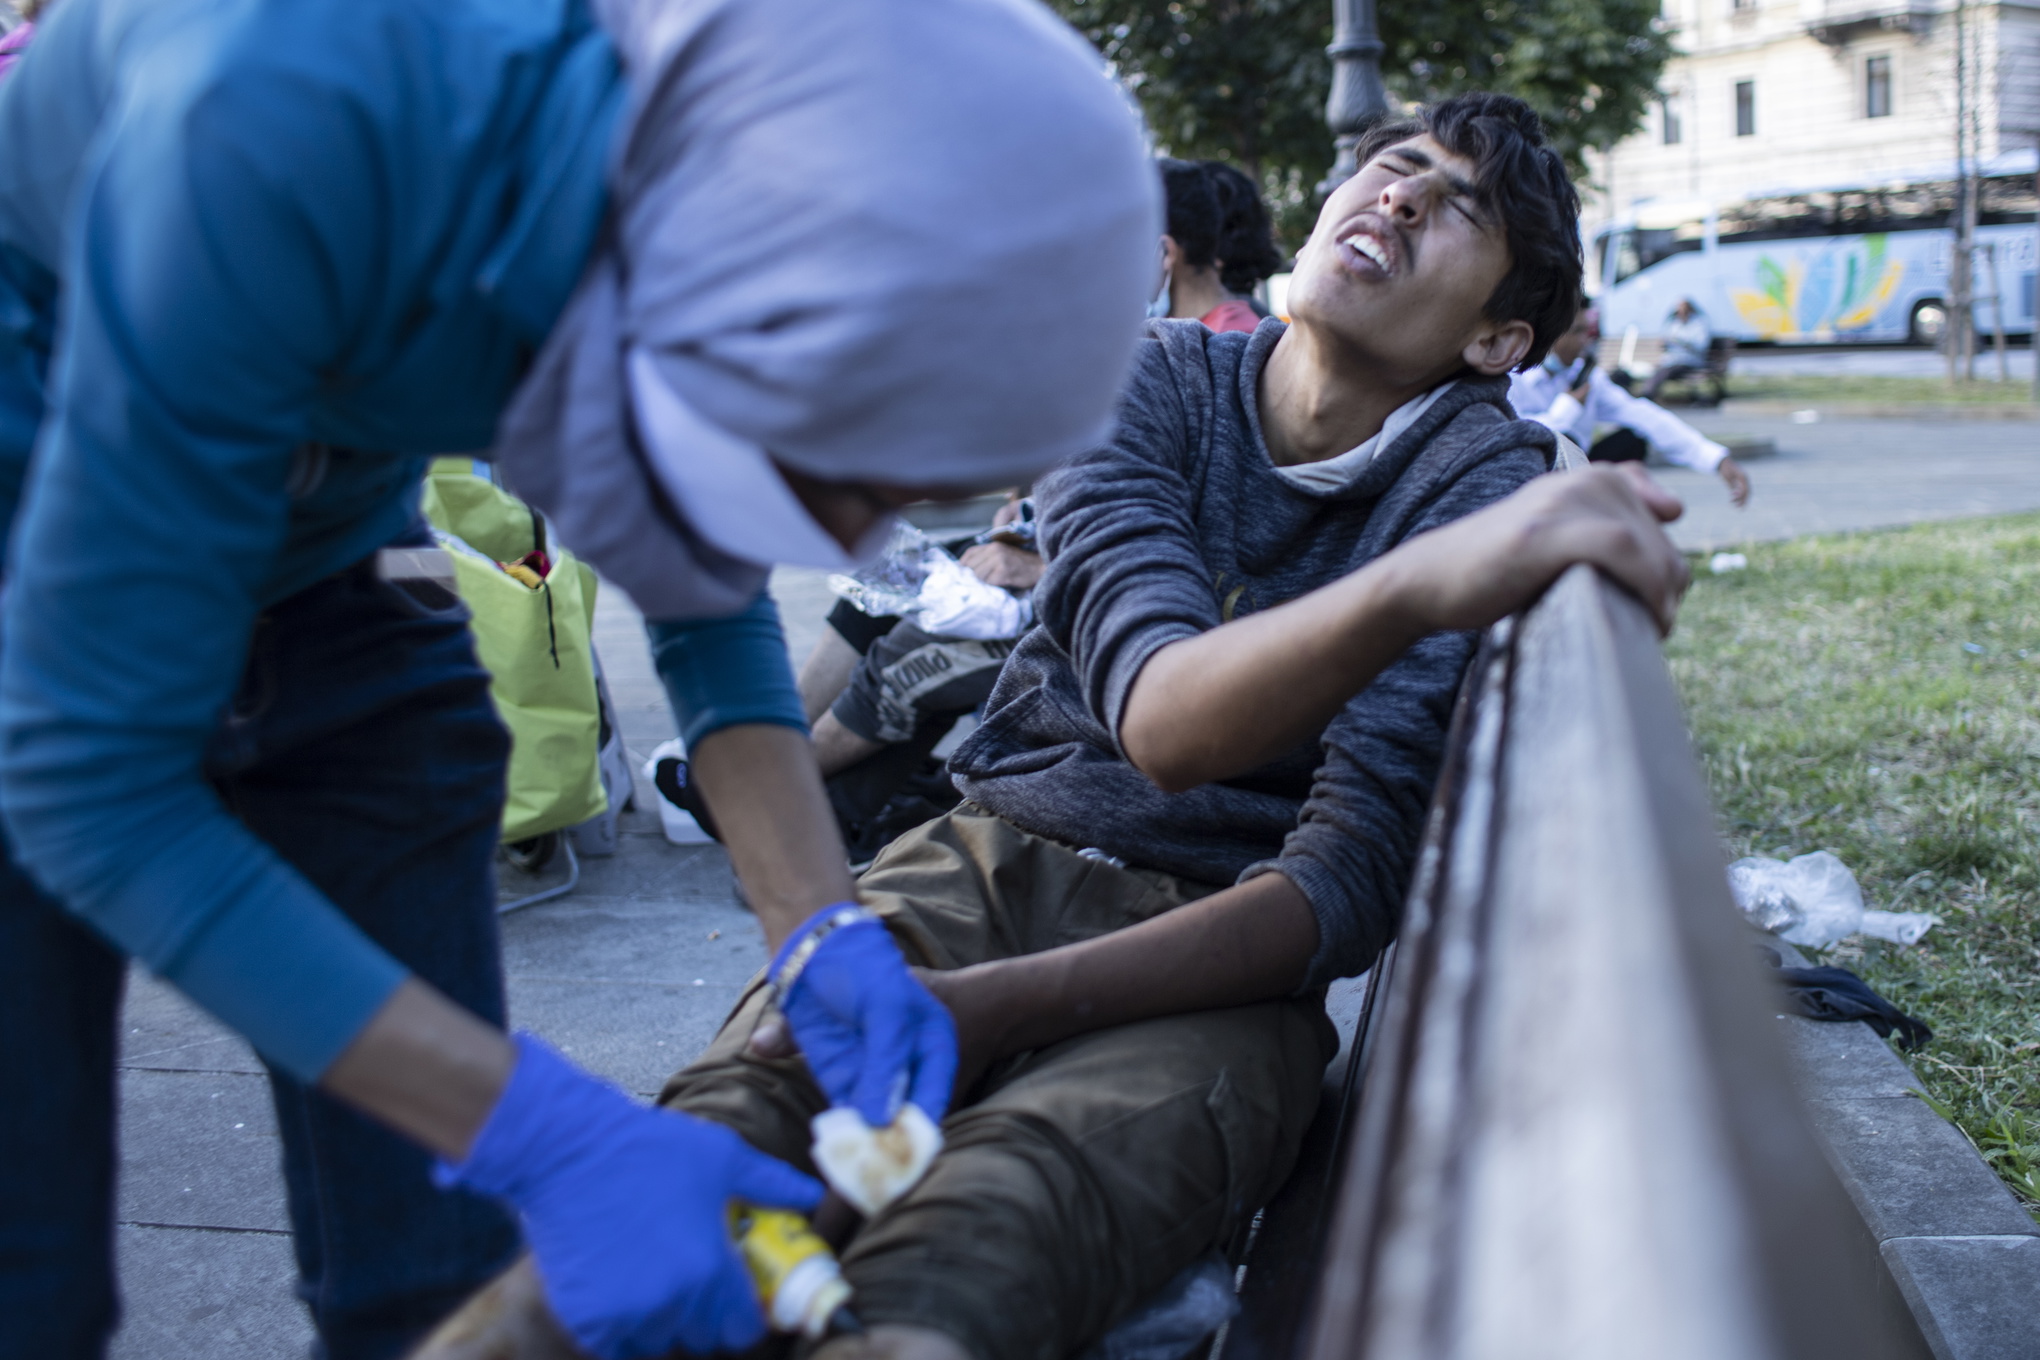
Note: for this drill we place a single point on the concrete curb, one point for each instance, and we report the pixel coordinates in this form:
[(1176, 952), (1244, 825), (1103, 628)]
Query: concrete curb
[(1853, 410), (1965, 1258)]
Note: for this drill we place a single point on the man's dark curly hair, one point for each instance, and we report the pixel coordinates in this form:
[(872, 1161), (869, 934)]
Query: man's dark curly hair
[(1216, 216), (1520, 183), (1246, 240)]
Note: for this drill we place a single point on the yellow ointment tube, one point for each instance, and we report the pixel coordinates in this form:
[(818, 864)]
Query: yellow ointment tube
[(798, 1279)]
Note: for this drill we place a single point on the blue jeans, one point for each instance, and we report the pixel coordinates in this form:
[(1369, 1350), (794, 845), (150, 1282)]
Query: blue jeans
[(364, 748)]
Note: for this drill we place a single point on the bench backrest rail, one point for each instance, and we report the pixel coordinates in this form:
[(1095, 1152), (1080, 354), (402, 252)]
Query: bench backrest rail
[(1574, 1133)]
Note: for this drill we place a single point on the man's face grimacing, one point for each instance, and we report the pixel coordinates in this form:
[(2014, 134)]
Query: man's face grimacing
[(1402, 262)]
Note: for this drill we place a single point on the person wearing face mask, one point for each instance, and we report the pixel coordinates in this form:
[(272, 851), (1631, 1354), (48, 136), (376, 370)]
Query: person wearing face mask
[(1569, 394), (1219, 246), (719, 285)]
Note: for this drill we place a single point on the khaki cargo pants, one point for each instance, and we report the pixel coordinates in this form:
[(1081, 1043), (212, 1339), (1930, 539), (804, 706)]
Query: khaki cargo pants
[(1076, 1179)]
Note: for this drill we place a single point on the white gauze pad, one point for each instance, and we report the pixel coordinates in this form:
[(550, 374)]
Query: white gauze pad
[(873, 1167)]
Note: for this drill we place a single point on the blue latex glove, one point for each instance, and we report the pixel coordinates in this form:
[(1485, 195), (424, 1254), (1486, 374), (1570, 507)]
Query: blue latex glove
[(871, 1032), (625, 1209)]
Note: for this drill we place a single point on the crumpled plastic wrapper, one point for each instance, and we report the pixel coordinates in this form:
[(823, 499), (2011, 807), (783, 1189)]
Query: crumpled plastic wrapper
[(916, 578), (1815, 901)]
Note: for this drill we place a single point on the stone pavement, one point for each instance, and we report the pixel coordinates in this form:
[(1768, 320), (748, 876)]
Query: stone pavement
[(632, 972), (1836, 475)]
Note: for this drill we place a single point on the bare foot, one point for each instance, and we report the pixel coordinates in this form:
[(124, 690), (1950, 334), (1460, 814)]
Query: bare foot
[(890, 1341), (506, 1320)]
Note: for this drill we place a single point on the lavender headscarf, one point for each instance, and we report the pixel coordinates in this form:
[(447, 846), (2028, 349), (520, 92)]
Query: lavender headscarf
[(902, 240)]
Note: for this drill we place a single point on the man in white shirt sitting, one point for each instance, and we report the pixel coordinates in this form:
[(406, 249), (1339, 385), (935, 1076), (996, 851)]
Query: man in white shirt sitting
[(1570, 395)]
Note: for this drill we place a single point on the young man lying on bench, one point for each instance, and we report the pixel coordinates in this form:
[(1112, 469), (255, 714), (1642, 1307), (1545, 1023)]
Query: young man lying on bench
[(1196, 795)]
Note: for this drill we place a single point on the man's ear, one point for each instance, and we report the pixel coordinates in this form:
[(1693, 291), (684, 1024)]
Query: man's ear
[(1498, 346)]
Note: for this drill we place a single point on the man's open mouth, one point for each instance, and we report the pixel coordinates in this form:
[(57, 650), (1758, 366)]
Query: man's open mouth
[(1369, 247), (1367, 251)]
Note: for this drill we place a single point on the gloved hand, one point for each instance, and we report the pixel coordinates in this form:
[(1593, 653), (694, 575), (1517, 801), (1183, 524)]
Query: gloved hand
[(625, 1209), (871, 1032)]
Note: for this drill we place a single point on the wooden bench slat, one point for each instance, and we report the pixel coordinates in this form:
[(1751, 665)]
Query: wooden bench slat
[(1569, 1130)]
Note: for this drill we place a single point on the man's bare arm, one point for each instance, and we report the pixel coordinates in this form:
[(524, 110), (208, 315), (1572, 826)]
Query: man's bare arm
[(1230, 699), (762, 785), (1248, 943)]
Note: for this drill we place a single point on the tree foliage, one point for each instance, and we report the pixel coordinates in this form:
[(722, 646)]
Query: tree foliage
[(1246, 80)]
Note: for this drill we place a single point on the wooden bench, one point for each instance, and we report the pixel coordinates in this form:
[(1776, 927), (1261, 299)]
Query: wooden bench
[(1565, 1125), (1630, 359), (1713, 377)]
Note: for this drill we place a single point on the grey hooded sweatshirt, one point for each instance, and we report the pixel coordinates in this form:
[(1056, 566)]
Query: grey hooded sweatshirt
[(1182, 522)]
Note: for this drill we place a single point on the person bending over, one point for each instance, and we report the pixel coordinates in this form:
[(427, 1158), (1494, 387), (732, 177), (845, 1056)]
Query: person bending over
[(717, 285), (1571, 395), (1198, 788)]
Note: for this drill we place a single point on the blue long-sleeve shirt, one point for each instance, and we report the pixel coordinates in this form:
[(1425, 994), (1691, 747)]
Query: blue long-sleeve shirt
[(229, 229)]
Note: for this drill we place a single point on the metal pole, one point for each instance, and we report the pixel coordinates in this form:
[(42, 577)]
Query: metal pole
[(1358, 97), (1972, 197), (1997, 308), (1958, 259)]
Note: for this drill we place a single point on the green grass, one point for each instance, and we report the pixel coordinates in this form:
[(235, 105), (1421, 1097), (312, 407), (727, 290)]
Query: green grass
[(1747, 385), (1875, 695)]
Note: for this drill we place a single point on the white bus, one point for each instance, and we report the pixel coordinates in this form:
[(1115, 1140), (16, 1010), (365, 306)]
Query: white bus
[(1851, 265)]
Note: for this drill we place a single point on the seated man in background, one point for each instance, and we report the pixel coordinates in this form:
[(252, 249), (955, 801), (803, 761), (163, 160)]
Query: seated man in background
[(1687, 336), (1197, 791), (1570, 394)]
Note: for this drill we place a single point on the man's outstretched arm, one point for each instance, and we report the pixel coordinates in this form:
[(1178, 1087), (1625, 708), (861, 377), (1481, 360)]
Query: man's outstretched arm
[(1673, 437), (1234, 697)]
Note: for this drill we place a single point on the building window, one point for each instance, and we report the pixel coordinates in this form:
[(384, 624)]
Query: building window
[(1675, 131), (1877, 87), (1746, 108)]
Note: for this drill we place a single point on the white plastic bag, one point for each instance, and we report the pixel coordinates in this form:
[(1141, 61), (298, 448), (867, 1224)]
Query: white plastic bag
[(920, 580), (954, 602), (1815, 901)]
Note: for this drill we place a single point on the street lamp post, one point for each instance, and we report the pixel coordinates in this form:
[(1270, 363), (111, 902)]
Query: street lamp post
[(1357, 97)]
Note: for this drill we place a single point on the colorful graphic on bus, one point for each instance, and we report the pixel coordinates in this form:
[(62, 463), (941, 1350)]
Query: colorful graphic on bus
[(1836, 290)]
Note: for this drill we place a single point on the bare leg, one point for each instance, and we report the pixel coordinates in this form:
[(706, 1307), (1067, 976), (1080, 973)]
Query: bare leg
[(837, 748), (892, 1341), (824, 674)]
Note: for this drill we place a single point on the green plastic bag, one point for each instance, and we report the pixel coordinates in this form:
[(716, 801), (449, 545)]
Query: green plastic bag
[(536, 646)]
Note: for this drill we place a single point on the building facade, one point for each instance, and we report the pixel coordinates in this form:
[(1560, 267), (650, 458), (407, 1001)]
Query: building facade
[(1788, 96)]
